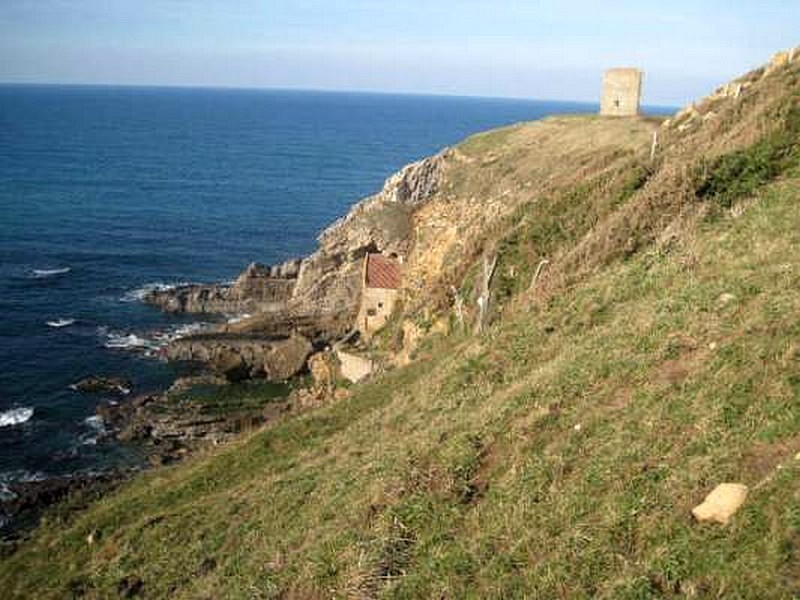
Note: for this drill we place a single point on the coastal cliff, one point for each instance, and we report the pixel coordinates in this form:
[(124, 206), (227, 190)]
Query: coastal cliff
[(598, 320), (316, 298), (437, 215)]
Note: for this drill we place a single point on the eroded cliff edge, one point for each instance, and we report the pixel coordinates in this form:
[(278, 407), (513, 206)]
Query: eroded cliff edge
[(432, 217)]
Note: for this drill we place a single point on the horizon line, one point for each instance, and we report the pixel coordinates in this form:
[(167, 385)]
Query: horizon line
[(178, 86)]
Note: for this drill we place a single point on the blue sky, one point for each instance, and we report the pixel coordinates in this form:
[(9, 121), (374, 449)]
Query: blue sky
[(540, 49)]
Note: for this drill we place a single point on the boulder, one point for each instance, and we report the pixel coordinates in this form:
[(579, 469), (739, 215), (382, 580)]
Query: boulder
[(324, 369), (722, 503)]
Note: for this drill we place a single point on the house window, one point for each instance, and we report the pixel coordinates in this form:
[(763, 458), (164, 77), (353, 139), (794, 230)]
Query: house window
[(371, 312), (380, 304)]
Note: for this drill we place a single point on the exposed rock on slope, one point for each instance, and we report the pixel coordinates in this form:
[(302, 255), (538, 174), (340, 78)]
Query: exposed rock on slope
[(317, 297)]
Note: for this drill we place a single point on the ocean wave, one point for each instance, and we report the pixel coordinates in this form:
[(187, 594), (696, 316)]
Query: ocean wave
[(97, 429), (233, 319), (15, 416), (149, 344), (139, 294), (58, 323), (42, 273), (95, 422), (18, 476), (129, 341)]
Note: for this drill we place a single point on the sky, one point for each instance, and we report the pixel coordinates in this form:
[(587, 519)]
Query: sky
[(546, 49)]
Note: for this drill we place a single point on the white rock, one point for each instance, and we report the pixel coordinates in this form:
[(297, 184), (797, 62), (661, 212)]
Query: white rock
[(726, 298), (722, 503)]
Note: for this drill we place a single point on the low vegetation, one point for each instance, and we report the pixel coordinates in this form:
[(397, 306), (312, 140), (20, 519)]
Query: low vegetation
[(739, 174)]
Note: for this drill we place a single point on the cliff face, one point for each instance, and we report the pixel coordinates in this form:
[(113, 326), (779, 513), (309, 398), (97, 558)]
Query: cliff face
[(434, 214), (316, 297)]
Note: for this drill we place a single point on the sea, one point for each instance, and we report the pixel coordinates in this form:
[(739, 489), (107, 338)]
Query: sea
[(107, 192)]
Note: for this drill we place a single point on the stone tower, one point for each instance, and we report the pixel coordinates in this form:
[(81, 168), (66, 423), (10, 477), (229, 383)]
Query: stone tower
[(622, 91)]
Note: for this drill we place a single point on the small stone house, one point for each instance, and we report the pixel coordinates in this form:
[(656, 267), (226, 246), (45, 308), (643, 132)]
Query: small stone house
[(381, 280)]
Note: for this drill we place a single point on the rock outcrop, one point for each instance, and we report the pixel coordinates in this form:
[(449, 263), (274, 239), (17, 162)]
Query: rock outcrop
[(168, 426), (316, 298), (244, 357), (97, 384), (259, 288)]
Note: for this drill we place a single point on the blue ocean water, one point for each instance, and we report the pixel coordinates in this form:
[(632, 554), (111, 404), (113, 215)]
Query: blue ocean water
[(106, 190)]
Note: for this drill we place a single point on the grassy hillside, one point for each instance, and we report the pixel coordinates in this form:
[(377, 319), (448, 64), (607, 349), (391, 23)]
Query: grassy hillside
[(559, 454)]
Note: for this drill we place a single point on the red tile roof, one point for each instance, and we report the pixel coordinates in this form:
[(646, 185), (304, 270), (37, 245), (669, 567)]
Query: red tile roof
[(382, 272)]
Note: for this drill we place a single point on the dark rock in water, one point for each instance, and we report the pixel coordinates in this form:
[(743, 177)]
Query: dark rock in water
[(95, 383), (240, 357), (122, 418), (27, 499), (169, 425)]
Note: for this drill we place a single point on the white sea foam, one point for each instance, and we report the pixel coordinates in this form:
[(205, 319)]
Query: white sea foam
[(151, 343), (95, 422), (58, 323), (5, 494), (232, 320), (42, 273), (15, 416), (129, 341), (20, 475), (97, 427), (139, 293)]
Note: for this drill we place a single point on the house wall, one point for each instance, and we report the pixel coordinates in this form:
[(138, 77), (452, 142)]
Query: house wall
[(352, 367), (377, 305), (622, 90)]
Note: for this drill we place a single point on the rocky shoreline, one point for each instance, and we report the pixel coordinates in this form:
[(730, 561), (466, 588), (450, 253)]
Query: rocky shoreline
[(290, 314), (24, 502), (301, 306)]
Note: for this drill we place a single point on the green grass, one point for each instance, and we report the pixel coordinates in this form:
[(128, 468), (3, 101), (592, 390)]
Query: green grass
[(739, 174), (540, 229), (464, 476), (246, 398)]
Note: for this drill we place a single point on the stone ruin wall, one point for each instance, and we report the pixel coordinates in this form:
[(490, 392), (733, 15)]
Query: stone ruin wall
[(622, 91)]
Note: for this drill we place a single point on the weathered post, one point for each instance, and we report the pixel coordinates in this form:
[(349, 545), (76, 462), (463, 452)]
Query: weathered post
[(654, 147), (489, 267)]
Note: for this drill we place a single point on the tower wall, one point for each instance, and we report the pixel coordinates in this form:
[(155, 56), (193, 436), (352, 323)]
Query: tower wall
[(622, 91)]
